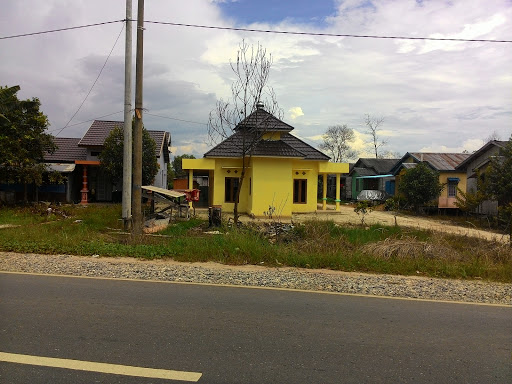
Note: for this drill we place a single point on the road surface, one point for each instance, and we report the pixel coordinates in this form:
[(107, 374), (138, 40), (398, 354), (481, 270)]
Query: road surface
[(213, 334)]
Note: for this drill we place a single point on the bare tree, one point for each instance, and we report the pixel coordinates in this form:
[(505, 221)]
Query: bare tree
[(336, 143), (249, 91), (372, 129), (494, 136)]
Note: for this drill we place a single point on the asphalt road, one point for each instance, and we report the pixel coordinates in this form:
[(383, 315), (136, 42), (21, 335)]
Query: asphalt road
[(240, 335)]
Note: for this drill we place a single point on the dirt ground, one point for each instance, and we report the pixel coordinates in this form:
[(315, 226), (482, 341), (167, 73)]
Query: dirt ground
[(346, 215)]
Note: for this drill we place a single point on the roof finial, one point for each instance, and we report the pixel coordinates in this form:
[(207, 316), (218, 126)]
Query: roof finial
[(260, 105)]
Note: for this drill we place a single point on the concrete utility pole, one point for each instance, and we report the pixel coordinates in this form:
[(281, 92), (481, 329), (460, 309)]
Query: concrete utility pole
[(137, 135), (127, 151)]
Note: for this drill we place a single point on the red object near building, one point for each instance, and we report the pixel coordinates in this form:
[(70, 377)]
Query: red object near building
[(192, 194)]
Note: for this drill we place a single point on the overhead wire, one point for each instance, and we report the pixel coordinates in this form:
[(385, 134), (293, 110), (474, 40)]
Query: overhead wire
[(95, 81), (266, 31), (61, 29), (87, 121), (327, 34), (173, 118)]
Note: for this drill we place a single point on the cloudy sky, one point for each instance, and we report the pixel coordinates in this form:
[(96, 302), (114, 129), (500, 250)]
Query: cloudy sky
[(434, 96)]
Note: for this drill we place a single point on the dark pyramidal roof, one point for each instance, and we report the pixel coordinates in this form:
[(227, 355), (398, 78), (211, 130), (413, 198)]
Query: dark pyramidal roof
[(252, 128)]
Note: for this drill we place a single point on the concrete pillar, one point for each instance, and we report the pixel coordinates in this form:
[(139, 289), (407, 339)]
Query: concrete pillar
[(338, 195), (324, 191), (190, 183)]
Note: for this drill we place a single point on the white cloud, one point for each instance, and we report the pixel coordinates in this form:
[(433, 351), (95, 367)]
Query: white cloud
[(295, 112), (432, 94)]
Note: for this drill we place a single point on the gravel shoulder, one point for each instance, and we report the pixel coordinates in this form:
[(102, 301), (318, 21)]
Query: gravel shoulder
[(416, 287)]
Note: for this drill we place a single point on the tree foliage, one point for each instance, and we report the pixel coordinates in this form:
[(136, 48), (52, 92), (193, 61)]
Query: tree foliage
[(177, 165), (337, 141), (419, 186), (499, 175), (469, 201), (23, 141), (250, 87), (499, 183), (111, 157)]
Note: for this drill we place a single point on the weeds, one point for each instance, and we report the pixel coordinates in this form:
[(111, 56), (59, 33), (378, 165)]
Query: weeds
[(314, 244)]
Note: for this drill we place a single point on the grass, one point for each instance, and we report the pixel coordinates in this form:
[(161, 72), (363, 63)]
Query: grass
[(315, 244)]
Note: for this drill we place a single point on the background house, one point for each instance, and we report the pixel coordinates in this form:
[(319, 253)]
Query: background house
[(371, 173), (445, 164), (477, 163), (81, 158), (282, 171)]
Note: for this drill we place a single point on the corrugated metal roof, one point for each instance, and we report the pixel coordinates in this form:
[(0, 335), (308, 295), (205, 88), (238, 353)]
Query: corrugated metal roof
[(441, 161), (67, 151), (487, 146), (379, 166)]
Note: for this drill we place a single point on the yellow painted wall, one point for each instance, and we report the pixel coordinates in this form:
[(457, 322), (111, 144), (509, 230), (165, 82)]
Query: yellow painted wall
[(268, 181), (443, 179), (271, 185), (306, 170)]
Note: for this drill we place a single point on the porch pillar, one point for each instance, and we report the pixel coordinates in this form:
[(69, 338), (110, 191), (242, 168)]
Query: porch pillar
[(324, 192), (190, 183), (84, 190), (338, 180)]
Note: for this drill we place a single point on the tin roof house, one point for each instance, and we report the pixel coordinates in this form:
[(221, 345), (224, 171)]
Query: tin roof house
[(445, 164)]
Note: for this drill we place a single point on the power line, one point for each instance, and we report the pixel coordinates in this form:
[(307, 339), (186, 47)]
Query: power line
[(95, 81), (328, 34), (61, 29), (173, 118), (266, 31), (85, 121)]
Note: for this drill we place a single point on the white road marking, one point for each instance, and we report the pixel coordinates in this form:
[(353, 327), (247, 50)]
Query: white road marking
[(90, 366)]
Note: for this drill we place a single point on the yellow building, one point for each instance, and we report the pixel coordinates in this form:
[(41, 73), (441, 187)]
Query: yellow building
[(446, 165), (281, 171)]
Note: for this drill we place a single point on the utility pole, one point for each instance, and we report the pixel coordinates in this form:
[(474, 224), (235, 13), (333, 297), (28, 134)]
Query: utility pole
[(127, 145), (137, 135)]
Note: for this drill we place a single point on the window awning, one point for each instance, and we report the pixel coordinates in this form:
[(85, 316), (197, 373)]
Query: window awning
[(453, 179), (61, 167)]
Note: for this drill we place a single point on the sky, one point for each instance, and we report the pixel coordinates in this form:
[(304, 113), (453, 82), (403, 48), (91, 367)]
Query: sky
[(434, 96)]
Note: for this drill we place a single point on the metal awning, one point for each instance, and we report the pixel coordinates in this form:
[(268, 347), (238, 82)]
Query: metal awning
[(166, 192), (60, 167), (373, 176), (454, 179)]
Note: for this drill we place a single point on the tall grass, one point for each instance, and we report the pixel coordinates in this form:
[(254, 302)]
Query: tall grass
[(314, 244)]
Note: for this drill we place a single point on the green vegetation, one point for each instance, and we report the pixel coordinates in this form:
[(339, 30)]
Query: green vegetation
[(315, 244)]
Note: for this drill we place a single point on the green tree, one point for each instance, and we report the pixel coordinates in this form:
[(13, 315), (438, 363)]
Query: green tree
[(499, 183), (176, 165), (469, 201), (111, 157), (23, 140), (420, 185)]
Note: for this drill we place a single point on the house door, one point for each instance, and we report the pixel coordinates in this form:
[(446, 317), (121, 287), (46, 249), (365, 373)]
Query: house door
[(104, 187)]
